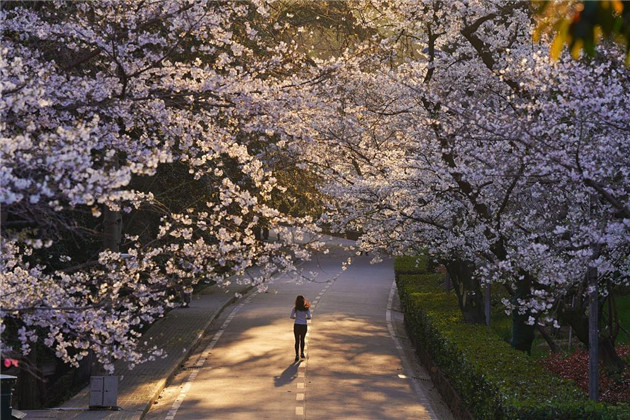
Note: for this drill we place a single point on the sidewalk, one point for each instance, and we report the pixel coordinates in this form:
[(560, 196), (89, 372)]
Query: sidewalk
[(177, 333)]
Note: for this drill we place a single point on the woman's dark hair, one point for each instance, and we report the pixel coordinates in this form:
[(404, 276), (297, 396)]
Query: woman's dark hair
[(302, 304)]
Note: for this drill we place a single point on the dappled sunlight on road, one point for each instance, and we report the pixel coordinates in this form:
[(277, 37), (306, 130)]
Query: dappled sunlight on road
[(354, 372), (248, 373), (352, 368), (269, 344), (346, 342)]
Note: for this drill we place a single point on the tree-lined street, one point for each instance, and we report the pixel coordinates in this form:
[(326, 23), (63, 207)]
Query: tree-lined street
[(352, 369), (148, 150)]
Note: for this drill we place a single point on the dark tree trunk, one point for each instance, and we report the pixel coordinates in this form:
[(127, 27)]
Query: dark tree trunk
[(3, 216), (550, 341), (27, 389), (112, 220), (112, 230), (522, 332), (112, 235), (468, 291), (576, 316), (608, 356), (81, 375)]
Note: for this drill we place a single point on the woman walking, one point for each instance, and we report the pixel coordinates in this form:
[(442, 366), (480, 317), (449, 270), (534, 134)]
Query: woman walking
[(300, 312)]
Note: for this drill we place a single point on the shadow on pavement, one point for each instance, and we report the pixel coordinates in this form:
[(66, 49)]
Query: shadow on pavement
[(288, 375)]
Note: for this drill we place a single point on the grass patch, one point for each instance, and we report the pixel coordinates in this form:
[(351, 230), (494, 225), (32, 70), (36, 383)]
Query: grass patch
[(623, 308)]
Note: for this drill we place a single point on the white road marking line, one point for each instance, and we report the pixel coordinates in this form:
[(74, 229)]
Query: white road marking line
[(300, 396), (206, 352)]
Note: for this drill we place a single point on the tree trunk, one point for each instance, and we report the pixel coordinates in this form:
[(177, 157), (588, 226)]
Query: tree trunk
[(468, 291), (522, 332), (550, 341), (576, 317), (112, 220), (112, 235), (27, 389), (608, 356), (112, 230), (4, 214)]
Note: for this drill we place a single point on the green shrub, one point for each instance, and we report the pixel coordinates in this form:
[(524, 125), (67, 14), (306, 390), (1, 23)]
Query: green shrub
[(411, 264), (493, 380)]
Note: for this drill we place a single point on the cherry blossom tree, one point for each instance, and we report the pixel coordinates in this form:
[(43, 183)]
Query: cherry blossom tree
[(473, 144), (138, 141), (103, 105)]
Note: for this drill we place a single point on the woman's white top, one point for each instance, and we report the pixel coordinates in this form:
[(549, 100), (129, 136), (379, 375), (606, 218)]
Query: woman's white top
[(300, 316)]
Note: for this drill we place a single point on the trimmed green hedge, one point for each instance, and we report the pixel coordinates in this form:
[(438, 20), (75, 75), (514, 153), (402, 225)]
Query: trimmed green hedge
[(493, 380), (406, 265)]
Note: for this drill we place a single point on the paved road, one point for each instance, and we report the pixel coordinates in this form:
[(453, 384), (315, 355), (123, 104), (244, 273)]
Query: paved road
[(245, 368)]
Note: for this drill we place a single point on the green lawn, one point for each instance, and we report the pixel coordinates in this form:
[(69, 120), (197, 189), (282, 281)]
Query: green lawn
[(623, 307)]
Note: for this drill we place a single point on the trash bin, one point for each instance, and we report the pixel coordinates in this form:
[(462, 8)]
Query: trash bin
[(7, 382)]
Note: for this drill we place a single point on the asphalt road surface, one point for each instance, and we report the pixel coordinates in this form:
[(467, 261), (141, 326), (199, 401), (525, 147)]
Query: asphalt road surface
[(359, 363)]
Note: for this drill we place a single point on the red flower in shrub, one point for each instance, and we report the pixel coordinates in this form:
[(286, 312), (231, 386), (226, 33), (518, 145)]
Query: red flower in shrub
[(8, 362)]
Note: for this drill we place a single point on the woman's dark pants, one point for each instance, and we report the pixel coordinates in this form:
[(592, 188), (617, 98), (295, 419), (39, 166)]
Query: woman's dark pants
[(299, 332)]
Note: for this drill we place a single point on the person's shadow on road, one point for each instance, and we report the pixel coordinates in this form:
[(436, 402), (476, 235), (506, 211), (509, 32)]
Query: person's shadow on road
[(288, 375)]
